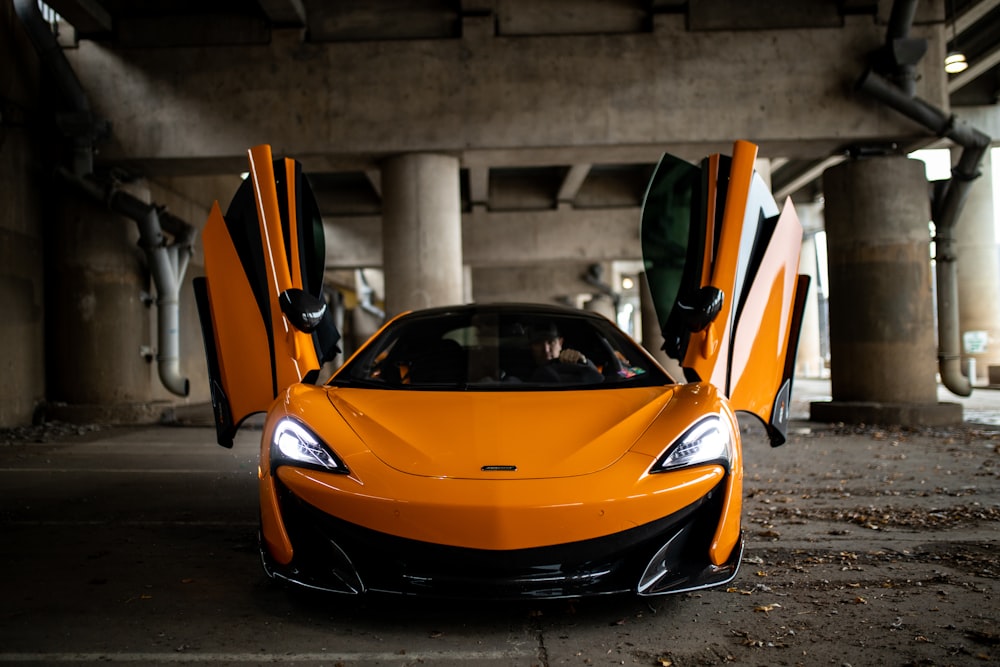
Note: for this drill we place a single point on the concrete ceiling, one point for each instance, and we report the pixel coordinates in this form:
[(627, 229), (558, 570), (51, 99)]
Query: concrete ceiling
[(589, 181)]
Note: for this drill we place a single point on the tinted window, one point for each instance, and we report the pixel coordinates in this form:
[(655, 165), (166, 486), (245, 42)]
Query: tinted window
[(497, 350), (669, 212)]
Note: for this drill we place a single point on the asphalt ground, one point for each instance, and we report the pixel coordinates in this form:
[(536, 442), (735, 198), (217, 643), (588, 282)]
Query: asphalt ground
[(865, 545)]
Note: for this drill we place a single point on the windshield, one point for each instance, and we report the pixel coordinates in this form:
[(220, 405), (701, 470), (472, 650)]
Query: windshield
[(495, 350)]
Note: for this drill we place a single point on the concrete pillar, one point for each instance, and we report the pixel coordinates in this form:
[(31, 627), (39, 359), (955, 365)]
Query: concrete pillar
[(421, 232), (603, 304), (22, 199), (22, 279), (809, 360), (883, 355), (99, 338), (466, 283), (978, 276)]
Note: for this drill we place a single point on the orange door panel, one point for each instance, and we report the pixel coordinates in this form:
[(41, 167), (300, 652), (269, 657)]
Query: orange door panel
[(764, 323), (721, 260), (709, 358), (268, 247)]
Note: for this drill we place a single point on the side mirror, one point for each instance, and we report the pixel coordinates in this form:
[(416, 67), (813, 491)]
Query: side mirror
[(302, 309), (702, 309)]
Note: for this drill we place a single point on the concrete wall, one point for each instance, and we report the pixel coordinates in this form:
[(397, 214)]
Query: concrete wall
[(22, 281)]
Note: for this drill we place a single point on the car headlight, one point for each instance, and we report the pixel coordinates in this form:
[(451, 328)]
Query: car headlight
[(707, 441), (292, 442)]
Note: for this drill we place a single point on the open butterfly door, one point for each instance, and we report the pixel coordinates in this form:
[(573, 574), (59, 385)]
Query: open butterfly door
[(721, 259), (264, 321)]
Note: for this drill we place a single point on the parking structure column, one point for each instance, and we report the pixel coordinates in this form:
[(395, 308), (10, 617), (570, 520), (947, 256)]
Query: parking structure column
[(883, 354), (421, 232), (979, 278)]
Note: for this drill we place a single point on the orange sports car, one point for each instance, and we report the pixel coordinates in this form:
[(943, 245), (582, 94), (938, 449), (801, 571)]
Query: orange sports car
[(507, 450)]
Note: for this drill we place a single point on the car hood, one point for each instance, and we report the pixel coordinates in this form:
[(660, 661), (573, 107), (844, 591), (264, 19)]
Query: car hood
[(499, 435)]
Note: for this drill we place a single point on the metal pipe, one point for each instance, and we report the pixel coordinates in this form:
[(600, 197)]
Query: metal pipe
[(902, 52), (941, 123), (168, 271), (901, 19), (365, 295)]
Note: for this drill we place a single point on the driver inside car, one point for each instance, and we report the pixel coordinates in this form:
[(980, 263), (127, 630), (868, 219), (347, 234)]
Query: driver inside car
[(553, 362)]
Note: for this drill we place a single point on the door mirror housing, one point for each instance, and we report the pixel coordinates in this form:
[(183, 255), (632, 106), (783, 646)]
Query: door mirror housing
[(305, 311), (703, 308)]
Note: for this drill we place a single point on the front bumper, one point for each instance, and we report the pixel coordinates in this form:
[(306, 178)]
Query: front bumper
[(669, 555)]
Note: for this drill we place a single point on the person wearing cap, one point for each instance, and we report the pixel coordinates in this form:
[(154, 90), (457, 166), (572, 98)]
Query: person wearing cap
[(553, 362)]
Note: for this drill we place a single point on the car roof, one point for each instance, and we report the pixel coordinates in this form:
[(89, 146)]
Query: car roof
[(512, 308)]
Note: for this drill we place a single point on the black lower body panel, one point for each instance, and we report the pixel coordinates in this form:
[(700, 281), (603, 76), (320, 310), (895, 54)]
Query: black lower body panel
[(669, 555)]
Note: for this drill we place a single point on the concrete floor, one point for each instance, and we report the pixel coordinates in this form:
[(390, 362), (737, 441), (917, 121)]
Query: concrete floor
[(138, 546)]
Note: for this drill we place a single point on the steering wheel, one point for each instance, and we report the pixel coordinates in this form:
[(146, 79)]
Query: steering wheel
[(576, 373)]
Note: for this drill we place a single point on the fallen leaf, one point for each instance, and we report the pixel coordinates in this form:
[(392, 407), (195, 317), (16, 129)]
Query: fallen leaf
[(747, 641)]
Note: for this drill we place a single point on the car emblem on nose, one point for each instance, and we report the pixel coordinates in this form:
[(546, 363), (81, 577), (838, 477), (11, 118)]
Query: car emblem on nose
[(498, 468)]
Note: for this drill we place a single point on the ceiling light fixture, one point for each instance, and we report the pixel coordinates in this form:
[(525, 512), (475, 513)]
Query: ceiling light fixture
[(955, 61)]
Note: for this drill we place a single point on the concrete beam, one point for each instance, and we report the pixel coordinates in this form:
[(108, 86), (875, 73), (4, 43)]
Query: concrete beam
[(517, 17), (807, 176), (284, 12), (374, 177), (729, 14), (86, 16), (190, 31), (568, 99), (501, 239), (575, 177), (479, 185), (970, 15)]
